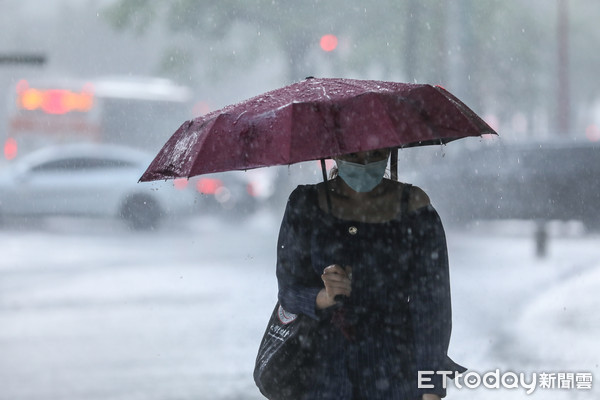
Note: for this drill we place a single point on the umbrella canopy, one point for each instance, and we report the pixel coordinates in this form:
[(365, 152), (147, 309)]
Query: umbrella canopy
[(311, 120)]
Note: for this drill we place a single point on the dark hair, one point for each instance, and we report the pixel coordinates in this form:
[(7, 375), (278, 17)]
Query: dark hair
[(333, 173)]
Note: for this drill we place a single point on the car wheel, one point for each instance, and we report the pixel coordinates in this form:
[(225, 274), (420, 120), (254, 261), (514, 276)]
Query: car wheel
[(140, 212)]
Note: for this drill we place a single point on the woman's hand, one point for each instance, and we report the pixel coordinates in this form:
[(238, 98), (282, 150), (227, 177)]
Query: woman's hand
[(338, 281), (431, 397)]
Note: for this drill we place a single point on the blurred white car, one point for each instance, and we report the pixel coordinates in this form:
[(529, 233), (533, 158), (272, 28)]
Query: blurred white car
[(90, 180)]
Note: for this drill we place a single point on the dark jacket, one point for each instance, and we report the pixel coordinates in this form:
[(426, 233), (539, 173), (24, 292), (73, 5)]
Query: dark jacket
[(398, 318)]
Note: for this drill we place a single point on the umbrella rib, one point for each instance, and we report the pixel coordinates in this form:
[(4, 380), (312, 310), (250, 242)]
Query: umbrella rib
[(200, 144), (469, 114)]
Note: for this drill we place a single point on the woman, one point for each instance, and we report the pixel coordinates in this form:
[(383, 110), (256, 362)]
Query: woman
[(366, 257)]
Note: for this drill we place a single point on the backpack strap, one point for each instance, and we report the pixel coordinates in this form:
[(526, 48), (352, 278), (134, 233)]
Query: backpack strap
[(405, 198), (325, 181)]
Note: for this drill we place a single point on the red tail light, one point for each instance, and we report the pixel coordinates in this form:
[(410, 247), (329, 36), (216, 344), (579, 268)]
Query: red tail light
[(180, 183), (10, 148), (208, 185), (251, 189), (54, 101)]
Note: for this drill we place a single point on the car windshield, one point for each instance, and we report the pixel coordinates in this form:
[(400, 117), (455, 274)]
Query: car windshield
[(80, 164)]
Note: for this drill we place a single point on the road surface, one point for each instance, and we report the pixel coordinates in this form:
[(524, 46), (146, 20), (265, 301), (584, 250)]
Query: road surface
[(90, 310)]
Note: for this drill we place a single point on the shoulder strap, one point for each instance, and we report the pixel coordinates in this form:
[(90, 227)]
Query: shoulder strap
[(405, 198), (325, 182)]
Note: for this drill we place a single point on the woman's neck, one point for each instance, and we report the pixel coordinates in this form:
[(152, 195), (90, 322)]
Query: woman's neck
[(378, 205), (339, 188)]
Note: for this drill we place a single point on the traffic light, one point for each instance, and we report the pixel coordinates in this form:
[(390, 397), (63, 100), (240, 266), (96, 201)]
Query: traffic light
[(329, 42)]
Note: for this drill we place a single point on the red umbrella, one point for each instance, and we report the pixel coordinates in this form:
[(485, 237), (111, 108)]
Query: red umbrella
[(314, 119)]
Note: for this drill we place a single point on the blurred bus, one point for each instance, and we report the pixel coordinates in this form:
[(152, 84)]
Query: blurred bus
[(137, 112)]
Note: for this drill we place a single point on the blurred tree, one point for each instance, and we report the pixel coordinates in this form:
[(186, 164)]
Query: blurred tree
[(296, 28), (497, 55)]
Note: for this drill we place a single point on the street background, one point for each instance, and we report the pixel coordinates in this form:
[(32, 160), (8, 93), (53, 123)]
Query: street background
[(527, 67)]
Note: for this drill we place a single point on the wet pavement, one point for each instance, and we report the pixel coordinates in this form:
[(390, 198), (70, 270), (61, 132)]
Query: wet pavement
[(91, 310)]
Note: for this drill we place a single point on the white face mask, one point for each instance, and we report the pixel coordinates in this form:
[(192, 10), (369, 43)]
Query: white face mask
[(361, 177)]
